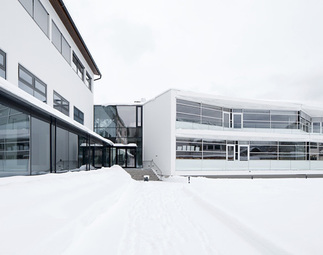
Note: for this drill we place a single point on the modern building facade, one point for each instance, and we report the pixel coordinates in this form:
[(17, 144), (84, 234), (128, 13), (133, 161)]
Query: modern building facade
[(46, 91), (196, 134), (122, 124)]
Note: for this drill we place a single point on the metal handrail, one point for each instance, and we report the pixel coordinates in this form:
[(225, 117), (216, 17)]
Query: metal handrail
[(150, 164)]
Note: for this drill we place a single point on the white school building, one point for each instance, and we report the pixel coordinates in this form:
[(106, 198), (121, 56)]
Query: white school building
[(188, 133)]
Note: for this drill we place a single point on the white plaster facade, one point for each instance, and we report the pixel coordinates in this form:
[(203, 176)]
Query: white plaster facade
[(162, 129), (26, 44)]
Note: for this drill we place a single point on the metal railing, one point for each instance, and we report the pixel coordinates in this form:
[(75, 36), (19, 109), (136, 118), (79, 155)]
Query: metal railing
[(150, 164)]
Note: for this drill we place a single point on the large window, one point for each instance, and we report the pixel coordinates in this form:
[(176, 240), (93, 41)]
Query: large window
[(78, 67), (78, 116), (37, 11), (31, 84), (61, 104), (3, 64), (206, 149), (14, 141), (60, 43)]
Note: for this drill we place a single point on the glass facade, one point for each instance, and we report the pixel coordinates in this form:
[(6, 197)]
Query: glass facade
[(207, 149), (121, 124), (33, 143), (194, 112)]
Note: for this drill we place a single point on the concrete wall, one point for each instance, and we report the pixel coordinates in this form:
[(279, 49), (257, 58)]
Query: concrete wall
[(159, 131), (26, 44)]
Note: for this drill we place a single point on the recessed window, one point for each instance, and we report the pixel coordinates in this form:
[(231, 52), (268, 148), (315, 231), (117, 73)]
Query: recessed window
[(31, 84), (60, 43), (2, 64), (88, 81), (61, 104), (37, 11), (78, 67), (78, 116)]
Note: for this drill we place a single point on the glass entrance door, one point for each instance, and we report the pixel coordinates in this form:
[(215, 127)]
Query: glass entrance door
[(243, 152), (230, 152)]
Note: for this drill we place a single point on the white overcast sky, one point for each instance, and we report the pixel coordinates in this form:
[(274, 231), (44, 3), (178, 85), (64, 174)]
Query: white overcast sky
[(262, 49)]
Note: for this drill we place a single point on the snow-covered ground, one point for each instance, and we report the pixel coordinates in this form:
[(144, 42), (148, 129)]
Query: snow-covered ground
[(106, 212)]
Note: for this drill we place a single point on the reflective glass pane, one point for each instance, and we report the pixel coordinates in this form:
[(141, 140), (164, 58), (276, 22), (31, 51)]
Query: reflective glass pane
[(237, 120), (39, 96), (25, 76), (244, 153), (316, 127), (2, 73), (27, 4), (230, 153), (56, 37), (226, 120), (41, 16), (26, 88), (40, 86), (66, 50), (40, 146), (1, 59)]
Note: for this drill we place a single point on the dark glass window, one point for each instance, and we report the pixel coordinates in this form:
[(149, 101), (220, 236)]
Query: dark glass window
[(60, 43), (3, 64), (40, 146), (37, 11), (31, 84), (78, 116), (316, 127), (187, 148), (61, 104), (78, 67), (88, 81), (14, 141)]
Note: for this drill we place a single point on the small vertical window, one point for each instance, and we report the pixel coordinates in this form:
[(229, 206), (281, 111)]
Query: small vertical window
[(56, 37), (61, 104), (37, 11), (60, 43), (2, 64), (316, 127), (66, 50), (78, 116), (88, 81), (78, 67), (41, 16), (28, 5), (31, 84)]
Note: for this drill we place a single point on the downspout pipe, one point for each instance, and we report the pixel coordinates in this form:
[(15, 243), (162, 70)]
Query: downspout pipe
[(98, 78)]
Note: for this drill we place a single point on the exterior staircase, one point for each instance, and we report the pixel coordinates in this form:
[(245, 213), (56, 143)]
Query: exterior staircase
[(149, 168)]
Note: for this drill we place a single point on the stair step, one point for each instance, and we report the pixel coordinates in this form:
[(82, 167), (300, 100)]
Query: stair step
[(138, 174)]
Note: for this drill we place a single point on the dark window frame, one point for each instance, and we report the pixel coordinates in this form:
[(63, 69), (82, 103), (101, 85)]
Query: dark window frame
[(61, 106), (4, 66), (79, 67), (88, 81), (33, 85), (78, 115)]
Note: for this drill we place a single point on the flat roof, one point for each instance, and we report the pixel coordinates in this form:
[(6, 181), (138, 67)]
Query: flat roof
[(68, 22)]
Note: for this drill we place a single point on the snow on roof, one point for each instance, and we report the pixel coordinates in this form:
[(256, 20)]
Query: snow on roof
[(23, 96)]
